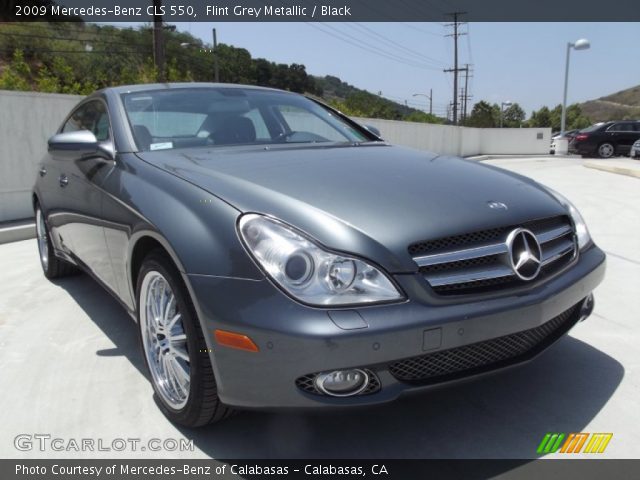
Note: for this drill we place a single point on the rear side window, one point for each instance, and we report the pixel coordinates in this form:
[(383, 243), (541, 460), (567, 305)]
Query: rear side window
[(91, 116), (592, 128), (621, 127)]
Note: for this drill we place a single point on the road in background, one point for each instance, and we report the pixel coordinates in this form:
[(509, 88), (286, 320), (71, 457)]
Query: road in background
[(70, 366)]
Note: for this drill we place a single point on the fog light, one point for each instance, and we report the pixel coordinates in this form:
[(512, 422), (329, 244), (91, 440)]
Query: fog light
[(342, 383), (587, 307)]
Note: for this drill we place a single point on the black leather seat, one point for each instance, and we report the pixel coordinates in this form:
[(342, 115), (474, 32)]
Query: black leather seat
[(235, 130), (142, 136)]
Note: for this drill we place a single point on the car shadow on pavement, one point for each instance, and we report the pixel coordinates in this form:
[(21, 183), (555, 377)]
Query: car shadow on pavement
[(504, 415), (497, 416), (108, 315)]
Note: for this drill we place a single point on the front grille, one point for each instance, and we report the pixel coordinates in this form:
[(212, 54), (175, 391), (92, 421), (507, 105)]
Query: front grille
[(490, 354), (479, 262), (307, 384)]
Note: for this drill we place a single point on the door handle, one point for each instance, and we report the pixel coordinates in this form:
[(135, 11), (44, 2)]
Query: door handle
[(43, 171), (64, 181)]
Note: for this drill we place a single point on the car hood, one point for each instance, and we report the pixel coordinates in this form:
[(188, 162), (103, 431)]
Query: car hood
[(373, 200)]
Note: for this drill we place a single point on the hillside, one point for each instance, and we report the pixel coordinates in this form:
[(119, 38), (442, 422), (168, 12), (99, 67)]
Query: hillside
[(622, 105), (79, 58)]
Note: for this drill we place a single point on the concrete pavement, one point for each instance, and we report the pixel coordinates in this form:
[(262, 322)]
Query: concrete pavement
[(70, 367)]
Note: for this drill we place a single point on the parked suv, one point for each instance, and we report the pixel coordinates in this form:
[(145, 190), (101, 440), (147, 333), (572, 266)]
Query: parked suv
[(606, 139)]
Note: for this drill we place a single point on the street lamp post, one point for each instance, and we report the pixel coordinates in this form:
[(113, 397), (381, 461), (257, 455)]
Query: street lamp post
[(216, 71), (582, 44), (502, 105), (429, 96)]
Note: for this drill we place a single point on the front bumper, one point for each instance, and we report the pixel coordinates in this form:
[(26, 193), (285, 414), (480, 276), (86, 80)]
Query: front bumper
[(296, 340)]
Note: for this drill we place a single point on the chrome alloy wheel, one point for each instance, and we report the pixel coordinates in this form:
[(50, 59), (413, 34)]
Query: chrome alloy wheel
[(606, 150), (164, 340), (43, 239)]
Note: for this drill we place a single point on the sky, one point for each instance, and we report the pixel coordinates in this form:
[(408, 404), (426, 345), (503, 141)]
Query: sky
[(517, 62)]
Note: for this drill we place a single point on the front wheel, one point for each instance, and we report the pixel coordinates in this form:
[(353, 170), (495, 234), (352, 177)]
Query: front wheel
[(174, 348), (606, 150)]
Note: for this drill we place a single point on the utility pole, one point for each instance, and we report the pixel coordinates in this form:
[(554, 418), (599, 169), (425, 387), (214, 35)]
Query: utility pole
[(158, 41), (455, 68), (216, 71), (466, 96)]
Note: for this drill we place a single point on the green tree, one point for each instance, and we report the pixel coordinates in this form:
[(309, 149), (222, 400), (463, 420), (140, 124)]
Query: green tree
[(17, 75), (418, 116), (544, 117), (540, 118), (575, 118), (482, 115), (47, 82), (513, 117)]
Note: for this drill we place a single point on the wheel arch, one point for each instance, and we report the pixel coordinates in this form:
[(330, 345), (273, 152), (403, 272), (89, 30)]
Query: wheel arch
[(141, 244)]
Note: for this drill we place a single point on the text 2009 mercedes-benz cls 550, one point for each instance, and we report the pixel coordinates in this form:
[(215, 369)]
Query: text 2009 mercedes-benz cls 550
[(277, 254)]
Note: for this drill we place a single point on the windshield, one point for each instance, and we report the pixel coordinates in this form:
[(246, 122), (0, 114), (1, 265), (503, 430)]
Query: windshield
[(191, 117)]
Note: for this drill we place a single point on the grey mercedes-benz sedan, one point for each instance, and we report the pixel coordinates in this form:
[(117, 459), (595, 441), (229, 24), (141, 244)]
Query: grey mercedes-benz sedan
[(275, 253)]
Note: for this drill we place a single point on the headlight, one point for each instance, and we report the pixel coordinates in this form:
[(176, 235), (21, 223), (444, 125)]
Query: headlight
[(307, 271), (582, 232)]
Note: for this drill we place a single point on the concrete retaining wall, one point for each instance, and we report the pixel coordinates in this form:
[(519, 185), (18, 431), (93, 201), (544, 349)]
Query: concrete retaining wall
[(464, 141), (28, 119)]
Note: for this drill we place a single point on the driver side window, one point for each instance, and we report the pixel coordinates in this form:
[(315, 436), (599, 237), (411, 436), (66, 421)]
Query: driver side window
[(91, 116)]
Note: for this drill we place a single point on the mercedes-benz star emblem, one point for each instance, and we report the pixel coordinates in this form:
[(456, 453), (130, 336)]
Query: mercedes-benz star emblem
[(497, 205), (524, 253)]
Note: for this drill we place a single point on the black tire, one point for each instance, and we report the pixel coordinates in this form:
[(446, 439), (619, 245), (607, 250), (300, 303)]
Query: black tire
[(203, 405), (52, 267), (606, 150)]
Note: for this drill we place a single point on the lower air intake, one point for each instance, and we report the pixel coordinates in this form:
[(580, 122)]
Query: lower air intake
[(490, 354)]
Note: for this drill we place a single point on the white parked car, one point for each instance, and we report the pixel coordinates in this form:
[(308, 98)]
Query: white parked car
[(635, 150), (556, 135)]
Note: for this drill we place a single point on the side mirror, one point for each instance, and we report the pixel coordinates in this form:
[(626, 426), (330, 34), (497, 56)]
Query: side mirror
[(81, 143), (373, 130)]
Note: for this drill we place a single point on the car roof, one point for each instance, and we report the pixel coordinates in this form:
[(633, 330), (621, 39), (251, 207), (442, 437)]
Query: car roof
[(175, 85)]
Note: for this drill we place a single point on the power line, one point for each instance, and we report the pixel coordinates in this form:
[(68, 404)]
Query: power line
[(108, 52), (381, 38), (63, 28), (410, 25), (359, 44), (469, 54), (72, 39)]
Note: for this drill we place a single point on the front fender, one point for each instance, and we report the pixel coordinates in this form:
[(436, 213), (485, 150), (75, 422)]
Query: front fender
[(196, 228)]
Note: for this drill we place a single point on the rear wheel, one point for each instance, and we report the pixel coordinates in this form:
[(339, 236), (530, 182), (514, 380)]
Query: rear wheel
[(174, 348), (606, 150), (52, 266)]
